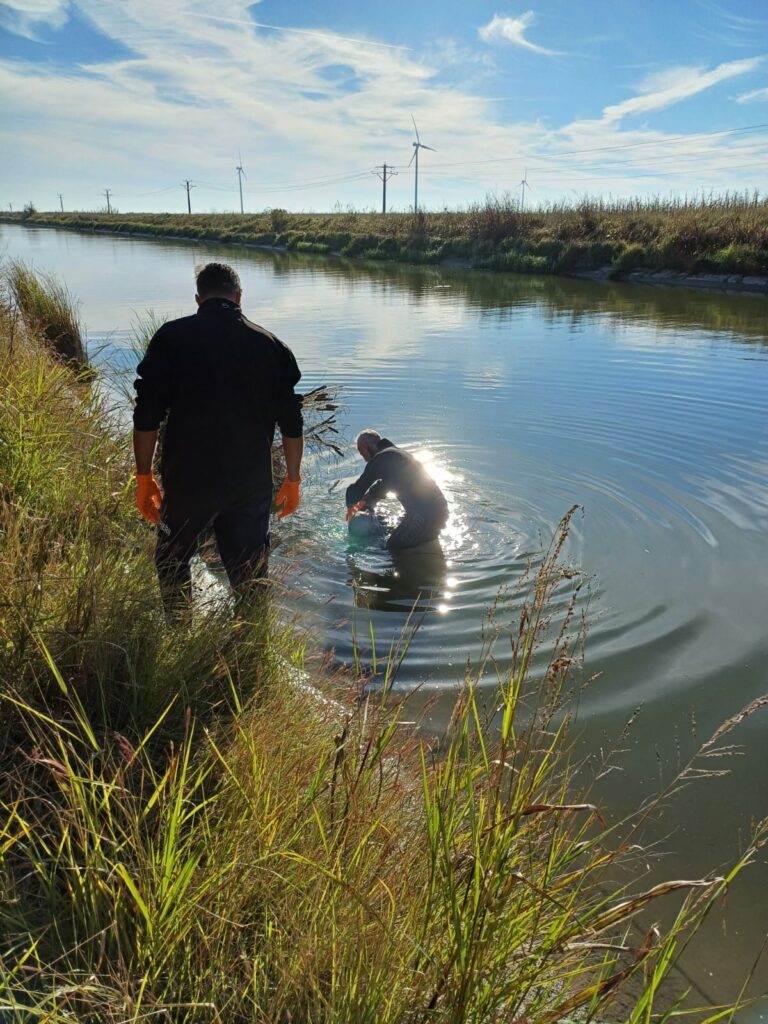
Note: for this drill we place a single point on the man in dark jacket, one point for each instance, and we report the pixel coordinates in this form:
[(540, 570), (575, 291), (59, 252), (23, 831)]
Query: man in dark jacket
[(392, 469), (221, 383)]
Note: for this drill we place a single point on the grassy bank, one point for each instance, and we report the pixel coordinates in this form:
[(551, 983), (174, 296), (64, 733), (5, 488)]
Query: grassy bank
[(188, 834), (723, 235)]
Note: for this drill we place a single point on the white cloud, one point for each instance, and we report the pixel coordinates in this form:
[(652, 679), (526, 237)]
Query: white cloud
[(23, 16), (512, 30), (302, 106), (675, 84), (756, 94)]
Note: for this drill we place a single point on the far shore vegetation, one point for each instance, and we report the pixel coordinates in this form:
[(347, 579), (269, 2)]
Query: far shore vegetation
[(212, 824), (723, 234)]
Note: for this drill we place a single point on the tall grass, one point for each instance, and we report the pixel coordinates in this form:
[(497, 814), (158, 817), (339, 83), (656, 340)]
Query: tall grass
[(191, 832), (48, 309), (715, 234)]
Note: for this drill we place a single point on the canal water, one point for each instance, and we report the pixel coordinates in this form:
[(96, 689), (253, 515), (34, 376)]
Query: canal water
[(525, 396)]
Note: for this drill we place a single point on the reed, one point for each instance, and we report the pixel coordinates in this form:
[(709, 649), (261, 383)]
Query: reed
[(196, 827), (725, 233), (47, 309)]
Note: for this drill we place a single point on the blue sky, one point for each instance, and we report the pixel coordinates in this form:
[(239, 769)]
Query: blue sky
[(608, 97)]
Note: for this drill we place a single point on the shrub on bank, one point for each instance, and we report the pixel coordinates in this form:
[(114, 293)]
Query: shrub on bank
[(738, 259), (314, 247)]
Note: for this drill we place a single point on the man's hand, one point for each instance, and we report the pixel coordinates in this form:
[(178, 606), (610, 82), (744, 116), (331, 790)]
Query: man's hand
[(289, 497), (149, 497), (357, 507)]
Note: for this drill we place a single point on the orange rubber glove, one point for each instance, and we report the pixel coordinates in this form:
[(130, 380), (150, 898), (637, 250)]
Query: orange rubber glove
[(149, 497), (357, 507), (289, 497)]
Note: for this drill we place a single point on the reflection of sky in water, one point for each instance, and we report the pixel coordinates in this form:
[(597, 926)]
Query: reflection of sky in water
[(524, 396)]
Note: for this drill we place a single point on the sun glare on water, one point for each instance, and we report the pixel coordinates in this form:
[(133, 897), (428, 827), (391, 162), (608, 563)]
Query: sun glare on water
[(456, 534)]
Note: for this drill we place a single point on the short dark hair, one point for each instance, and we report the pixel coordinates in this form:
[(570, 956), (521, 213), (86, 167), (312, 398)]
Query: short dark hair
[(214, 278)]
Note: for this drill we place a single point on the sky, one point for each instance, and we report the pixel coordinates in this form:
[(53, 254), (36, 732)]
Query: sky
[(580, 97)]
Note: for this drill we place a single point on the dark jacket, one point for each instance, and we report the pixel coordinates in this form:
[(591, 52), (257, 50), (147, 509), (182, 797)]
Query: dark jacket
[(223, 383), (393, 469)]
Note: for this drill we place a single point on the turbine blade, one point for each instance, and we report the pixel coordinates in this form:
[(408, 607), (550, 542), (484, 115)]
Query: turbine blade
[(415, 128), (427, 147), (413, 155)]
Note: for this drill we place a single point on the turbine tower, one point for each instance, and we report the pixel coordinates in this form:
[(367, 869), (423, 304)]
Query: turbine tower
[(240, 175), (523, 186), (418, 144)]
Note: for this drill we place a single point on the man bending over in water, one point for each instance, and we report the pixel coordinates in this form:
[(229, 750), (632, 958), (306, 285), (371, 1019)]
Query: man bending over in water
[(391, 469)]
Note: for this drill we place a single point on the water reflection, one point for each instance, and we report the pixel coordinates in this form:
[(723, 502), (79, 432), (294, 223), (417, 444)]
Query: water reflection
[(573, 303), (414, 578)]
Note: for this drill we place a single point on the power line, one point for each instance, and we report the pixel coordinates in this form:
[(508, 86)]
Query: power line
[(296, 183), (317, 184), (542, 166), (629, 145), (563, 169), (681, 164), (620, 177)]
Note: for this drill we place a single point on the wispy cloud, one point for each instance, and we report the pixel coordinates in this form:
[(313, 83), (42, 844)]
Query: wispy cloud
[(512, 30), (666, 88), (755, 95), (23, 17), (313, 106), (251, 23)]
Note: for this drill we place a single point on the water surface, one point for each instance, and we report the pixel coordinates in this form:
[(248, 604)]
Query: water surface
[(525, 395)]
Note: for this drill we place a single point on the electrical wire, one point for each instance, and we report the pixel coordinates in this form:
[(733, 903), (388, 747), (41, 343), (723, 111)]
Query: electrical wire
[(719, 164), (674, 139), (541, 166)]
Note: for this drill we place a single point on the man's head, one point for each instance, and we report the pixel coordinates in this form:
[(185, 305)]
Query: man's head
[(218, 281), (368, 443)]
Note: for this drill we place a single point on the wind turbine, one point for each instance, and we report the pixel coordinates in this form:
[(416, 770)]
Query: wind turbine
[(240, 176), (418, 144), (523, 186)]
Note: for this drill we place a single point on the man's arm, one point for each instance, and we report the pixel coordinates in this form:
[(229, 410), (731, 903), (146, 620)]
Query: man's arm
[(379, 489), (290, 420), (153, 389), (153, 384), (293, 450), (144, 444), (364, 485)]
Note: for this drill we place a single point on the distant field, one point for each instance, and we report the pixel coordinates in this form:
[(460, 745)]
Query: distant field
[(720, 235)]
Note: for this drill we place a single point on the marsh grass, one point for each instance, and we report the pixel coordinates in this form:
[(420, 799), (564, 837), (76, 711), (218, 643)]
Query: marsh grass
[(725, 234), (192, 830), (48, 310)]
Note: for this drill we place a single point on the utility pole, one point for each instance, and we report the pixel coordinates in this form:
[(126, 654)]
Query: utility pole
[(187, 184), (384, 173), (107, 192), (61, 201)]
